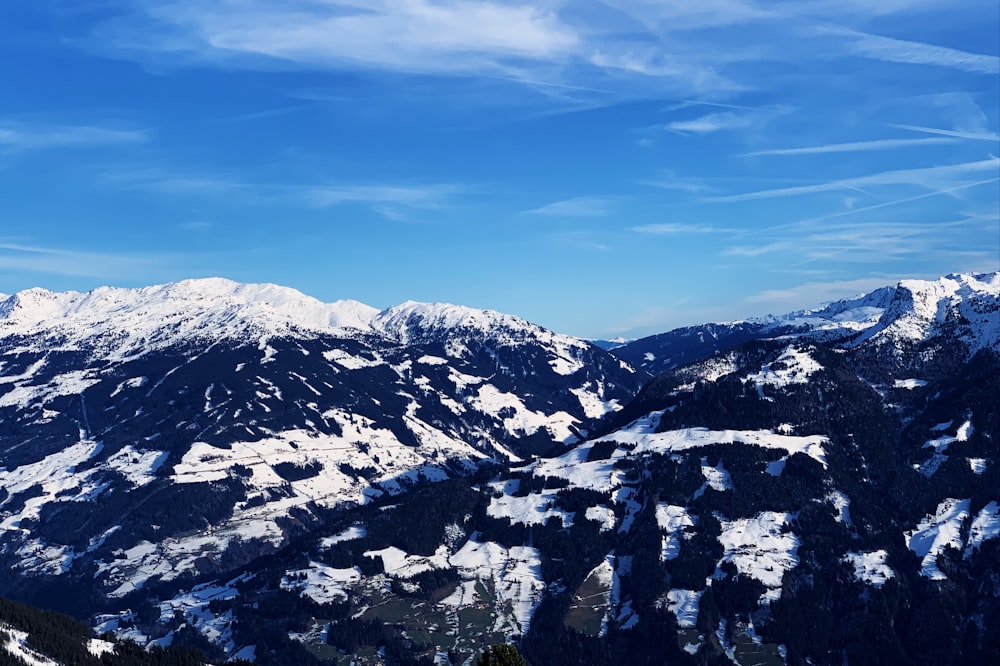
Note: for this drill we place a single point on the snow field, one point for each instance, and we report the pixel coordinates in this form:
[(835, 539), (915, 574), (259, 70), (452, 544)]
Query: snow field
[(641, 437), (909, 383), (321, 583), (603, 515), (842, 505), (932, 303), (684, 605), (351, 533), (523, 421), (934, 533), (512, 575), (794, 366), (590, 401), (676, 524), (716, 477), (136, 465), (17, 645), (940, 446), (870, 567), (399, 564), (761, 548), (532, 509), (26, 394), (56, 475), (986, 525)]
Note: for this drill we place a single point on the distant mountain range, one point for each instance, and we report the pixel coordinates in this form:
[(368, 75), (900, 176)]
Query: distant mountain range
[(253, 473), (905, 315)]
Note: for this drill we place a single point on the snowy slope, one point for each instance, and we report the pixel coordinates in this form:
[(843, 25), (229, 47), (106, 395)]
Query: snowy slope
[(961, 306), (255, 409), (845, 453), (127, 322), (968, 306)]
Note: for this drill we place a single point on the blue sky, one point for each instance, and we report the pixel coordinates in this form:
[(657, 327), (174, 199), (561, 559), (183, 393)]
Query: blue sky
[(598, 167)]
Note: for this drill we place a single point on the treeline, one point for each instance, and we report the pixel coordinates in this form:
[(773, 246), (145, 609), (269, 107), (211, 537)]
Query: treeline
[(64, 640), (350, 634)]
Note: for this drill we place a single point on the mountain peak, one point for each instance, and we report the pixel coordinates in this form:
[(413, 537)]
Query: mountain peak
[(208, 308), (412, 319), (919, 309)]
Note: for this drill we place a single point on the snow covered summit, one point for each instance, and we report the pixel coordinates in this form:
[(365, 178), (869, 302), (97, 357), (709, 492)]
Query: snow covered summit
[(121, 323)]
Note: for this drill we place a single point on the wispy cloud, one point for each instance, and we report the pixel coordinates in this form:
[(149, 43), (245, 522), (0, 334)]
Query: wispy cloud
[(958, 134), (669, 180), (164, 180), (271, 113), (791, 228), (864, 242), (698, 76), (552, 84), (74, 263), (568, 52), (412, 196), (579, 239), (197, 226), (676, 229), (889, 49), (712, 122), (392, 201), (682, 15), (813, 294), (928, 177), (752, 251), (388, 199), (420, 36), (35, 136), (574, 207), (689, 103), (852, 146)]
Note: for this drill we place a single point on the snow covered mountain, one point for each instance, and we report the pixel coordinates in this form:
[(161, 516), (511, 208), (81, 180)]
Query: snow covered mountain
[(136, 419), (821, 487), (901, 319)]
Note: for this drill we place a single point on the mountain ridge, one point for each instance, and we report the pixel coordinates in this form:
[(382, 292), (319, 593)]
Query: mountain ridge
[(468, 469), (904, 310)]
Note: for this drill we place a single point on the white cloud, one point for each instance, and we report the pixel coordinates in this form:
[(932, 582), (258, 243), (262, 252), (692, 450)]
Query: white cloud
[(415, 35), (689, 103), (675, 229), (931, 178), (878, 47), (618, 49), (712, 122), (753, 251), (388, 199), (685, 15), (164, 180), (575, 207), (865, 242), (959, 134), (33, 136), (668, 179), (412, 196), (852, 146), (697, 76)]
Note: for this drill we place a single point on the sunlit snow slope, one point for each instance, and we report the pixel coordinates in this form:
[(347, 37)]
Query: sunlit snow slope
[(134, 419)]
